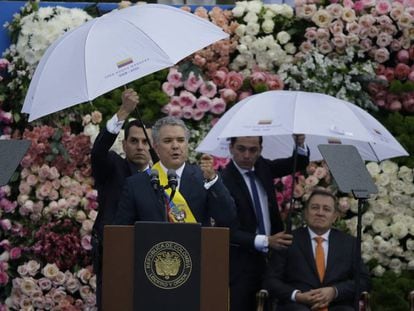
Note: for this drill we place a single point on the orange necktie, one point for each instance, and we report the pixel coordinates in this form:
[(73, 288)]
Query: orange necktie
[(320, 261)]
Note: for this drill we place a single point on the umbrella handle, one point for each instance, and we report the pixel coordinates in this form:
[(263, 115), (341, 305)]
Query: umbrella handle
[(288, 222), (154, 156)]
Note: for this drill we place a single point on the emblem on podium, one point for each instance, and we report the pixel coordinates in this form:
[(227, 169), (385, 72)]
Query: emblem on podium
[(168, 265)]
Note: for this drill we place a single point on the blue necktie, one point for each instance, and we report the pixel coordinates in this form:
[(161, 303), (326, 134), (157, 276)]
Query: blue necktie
[(256, 202)]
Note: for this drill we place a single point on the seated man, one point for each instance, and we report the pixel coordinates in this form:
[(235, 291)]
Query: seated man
[(297, 276)]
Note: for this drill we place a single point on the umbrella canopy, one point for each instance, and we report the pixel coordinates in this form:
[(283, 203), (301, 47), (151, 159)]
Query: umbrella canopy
[(276, 115), (112, 50)]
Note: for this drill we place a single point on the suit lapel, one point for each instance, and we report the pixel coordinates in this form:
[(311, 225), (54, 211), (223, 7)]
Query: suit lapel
[(333, 253), (241, 185), (305, 245)]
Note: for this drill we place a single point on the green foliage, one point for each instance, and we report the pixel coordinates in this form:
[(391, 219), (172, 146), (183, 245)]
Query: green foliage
[(402, 128), (398, 87), (390, 292), (151, 98)]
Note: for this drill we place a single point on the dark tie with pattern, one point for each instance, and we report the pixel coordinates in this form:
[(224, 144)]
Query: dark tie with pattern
[(256, 202)]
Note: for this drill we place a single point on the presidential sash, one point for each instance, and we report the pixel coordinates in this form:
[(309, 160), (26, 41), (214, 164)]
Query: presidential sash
[(178, 209)]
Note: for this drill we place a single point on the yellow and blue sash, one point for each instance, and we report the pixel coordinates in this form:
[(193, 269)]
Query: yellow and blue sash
[(177, 208)]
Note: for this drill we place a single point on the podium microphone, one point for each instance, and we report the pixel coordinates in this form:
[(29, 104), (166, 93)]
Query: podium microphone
[(155, 180), (172, 182)]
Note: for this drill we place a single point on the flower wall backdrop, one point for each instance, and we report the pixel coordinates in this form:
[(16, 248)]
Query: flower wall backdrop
[(360, 51)]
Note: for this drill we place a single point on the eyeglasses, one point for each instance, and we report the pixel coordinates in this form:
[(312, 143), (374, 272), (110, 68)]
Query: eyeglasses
[(243, 149)]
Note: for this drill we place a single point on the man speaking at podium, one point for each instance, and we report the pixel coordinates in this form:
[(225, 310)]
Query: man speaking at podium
[(175, 191)]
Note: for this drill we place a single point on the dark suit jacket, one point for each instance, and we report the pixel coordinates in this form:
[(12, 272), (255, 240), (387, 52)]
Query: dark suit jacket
[(295, 268), (139, 201), (243, 254), (110, 171)]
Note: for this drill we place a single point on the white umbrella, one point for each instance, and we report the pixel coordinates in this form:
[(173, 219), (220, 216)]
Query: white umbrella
[(112, 50), (276, 115)]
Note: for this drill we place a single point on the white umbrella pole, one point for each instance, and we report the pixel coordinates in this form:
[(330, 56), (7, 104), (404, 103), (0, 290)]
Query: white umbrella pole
[(288, 221)]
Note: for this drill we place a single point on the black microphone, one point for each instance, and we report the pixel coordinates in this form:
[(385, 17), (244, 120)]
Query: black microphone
[(172, 179), (172, 182), (155, 180)]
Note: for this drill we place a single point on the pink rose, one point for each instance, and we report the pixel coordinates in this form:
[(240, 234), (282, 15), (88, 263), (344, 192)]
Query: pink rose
[(203, 103), (310, 34), (408, 104), (197, 114), (244, 95), (187, 112), (175, 111), (234, 80), (4, 278), (257, 78), (199, 61), (187, 99), (381, 55), (403, 56), (402, 71), (86, 242), (383, 7), (15, 253), (4, 63), (193, 82), (228, 95), (168, 88), (208, 89), (174, 77), (275, 83), (219, 77), (218, 106), (395, 105), (24, 188)]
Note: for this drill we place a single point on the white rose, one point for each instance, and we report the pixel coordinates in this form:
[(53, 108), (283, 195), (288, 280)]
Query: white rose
[(240, 30), (50, 270), (251, 17), (373, 168), (28, 286), (378, 270), (238, 11), (322, 18), (254, 6), (410, 265), (252, 29), (399, 230), (406, 174), (410, 245), (283, 37), (408, 188), (287, 10), (389, 167), (368, 218), (32, 267), (383, 179), (290, 48), (268, 26)]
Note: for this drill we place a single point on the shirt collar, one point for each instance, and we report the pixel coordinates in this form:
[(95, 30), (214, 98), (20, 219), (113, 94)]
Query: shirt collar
[(325, 236), (242, 170), (178, 171)]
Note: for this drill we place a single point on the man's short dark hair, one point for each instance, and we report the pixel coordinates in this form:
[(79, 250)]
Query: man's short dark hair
[(132, 123), (322, 192), (234, 139)]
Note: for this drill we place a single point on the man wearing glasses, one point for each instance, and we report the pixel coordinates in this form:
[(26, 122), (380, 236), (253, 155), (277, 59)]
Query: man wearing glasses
[(249, 178)]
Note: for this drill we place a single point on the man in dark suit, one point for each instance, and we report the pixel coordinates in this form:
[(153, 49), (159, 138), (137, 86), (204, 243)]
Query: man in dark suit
[(317, 271), (110, 170), (259, 225), (200, 189)]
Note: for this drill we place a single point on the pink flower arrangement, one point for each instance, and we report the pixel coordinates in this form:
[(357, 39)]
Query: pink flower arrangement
[(218, 54)]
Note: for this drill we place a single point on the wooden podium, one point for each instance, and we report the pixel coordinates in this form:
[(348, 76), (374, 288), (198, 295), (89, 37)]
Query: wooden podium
[(118, 269)]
